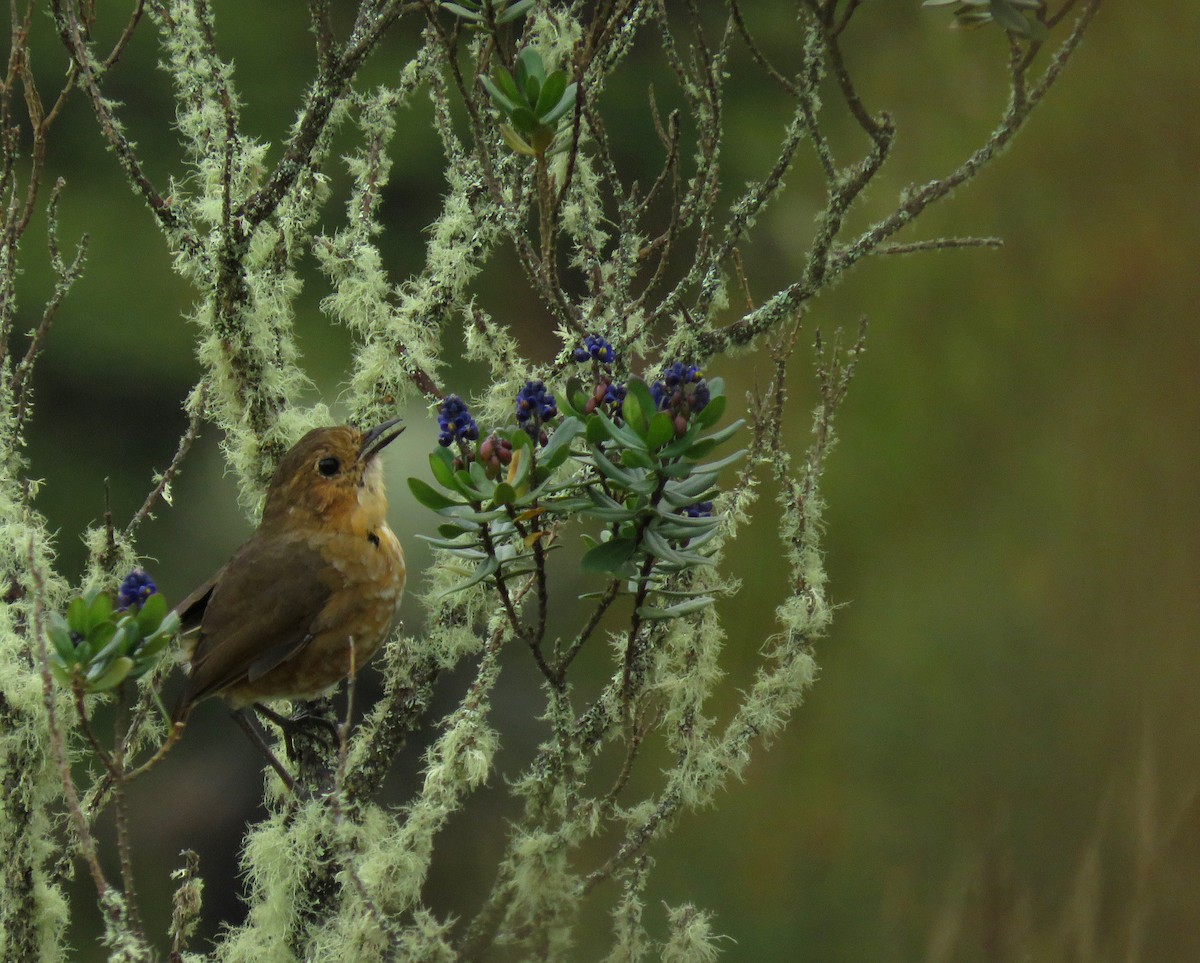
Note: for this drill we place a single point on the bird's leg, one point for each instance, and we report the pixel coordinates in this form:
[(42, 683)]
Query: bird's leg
[(244, 719), (311, 740), (303, 720)]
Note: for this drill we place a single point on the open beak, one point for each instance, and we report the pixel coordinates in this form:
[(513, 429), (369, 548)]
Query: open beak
[(378, 438)]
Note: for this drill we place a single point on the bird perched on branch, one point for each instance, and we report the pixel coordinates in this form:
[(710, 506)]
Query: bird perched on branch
[(322, 575)]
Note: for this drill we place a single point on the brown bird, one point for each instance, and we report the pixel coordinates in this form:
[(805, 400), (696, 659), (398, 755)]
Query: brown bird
[(323, 573)]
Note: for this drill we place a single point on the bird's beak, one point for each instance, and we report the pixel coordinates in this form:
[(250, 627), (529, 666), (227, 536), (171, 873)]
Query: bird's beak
[(378, 438)]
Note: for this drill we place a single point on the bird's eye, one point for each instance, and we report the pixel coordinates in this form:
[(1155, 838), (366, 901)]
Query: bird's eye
[(328, 466)]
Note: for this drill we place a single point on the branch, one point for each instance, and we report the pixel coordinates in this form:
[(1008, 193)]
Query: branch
[(67, 21)]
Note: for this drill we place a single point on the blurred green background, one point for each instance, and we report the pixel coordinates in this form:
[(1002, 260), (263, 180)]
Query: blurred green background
[(999, 760)]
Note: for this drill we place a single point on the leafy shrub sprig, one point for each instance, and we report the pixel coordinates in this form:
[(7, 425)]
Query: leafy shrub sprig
[(534, 102), (638, 471), (1021, 18), (98, 645)]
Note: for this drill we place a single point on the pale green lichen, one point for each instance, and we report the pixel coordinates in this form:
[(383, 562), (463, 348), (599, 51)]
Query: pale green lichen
[(340, 877), (691, 937)]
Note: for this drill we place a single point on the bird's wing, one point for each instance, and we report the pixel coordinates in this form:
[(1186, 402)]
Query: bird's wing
[(258, 613), (191, 609)]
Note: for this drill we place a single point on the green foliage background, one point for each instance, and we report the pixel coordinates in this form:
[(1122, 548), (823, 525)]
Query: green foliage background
[(1004, 736)]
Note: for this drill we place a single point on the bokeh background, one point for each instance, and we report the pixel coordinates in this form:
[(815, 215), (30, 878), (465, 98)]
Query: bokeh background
[(999, 760)]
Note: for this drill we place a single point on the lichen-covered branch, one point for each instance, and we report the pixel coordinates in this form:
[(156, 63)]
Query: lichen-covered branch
[(626, 255)]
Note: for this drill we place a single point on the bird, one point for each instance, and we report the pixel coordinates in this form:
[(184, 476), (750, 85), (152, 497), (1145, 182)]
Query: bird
[(313, 593)]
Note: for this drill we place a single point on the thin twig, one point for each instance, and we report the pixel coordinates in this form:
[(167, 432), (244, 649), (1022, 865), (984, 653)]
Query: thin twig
[(164, 480)]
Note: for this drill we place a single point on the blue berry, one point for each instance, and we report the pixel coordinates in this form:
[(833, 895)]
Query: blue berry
[(596, 348), (134, 590), (454, 418), (682, 391), (536, 403)]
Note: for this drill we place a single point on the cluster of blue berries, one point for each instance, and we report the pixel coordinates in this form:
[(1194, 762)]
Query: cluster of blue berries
[(134, 590), (454, 418), (596, 348), (682, 392), (606, 396), (699, 510), (681, 386), (535, 406)]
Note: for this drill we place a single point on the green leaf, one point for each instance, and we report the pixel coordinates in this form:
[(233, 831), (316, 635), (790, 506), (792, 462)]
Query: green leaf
[(676, 469), (711, 413), (596, 432), (463, 549), (99, 637), (508, 85), (638, 458), (684, 533), (441, 463), (684, 524), (429, 496), (532, 91), (609, 557), (566, 506), (153, 611), (662, 430), (530, 67), (153, 646), (675, 611), (607, 509), (659, 547), (499, 98), (518, 436), (488, 567), (99, 609), (602, 499), (77, 618), (482, 517), (504, 494), (688, 491), (560, 440), (969, 19), (718, 465), (638, 416), (116, 645), (113, 676), (701, 448), (516, 141), (551, 93), (463, 12), (523, 120), (565, 103), (170, 625), (679, 593), (574, 398), (1008, 17), (725, 433), (682, 443), (480, 480), (456, 527), (609, 470), (618, 433), (59, 634), (519, 468), (463, 482), (518, 9)]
